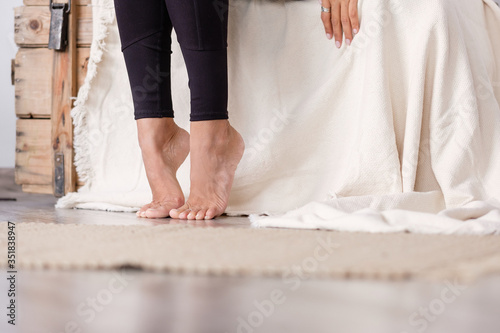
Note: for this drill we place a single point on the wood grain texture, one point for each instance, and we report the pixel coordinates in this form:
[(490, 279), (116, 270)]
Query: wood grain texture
[(63, 87), (32, 25), (45, 82), (33, 82), (33, 152), (83, 56), (33, 77), (42, 189)]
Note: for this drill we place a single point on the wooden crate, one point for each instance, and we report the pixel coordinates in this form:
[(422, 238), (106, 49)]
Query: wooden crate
[(33, 155), (46, 83), (32, 23), (34, 77)]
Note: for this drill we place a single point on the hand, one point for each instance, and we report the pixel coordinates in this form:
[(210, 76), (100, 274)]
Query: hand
[(343, 17)]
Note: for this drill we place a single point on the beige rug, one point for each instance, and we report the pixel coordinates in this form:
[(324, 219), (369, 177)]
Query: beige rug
[(290, 254)]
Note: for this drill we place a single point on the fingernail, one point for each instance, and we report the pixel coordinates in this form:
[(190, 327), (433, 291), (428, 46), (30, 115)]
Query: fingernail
[(328, 36), (354, 31), (348, 41), (175, 210), (338, 44)]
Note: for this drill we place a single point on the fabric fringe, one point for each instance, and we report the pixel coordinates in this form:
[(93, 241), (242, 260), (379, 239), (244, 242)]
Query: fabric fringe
[(103, 15)]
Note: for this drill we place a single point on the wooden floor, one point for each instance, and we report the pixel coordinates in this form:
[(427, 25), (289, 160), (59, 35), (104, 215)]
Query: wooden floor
[(136, 301)]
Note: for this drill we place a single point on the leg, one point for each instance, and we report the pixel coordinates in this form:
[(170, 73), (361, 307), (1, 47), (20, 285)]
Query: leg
[(216, 147), (145, 30)]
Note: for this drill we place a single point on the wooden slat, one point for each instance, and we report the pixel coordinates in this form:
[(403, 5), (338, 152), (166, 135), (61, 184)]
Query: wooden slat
[(83, 26), (64, 86), (83, 56), (33, 152), (33, 81), (32, 25), (46, 2), (44, 189)]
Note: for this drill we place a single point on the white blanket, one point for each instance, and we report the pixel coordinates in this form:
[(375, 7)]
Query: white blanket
[(400, 131)]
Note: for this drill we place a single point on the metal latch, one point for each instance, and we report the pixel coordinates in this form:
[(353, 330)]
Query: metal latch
[(58, 36), (58, 174)]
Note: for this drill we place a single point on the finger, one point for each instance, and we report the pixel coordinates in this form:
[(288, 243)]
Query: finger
[(326, 18), (353, 16), (346, 22), (337, 26)]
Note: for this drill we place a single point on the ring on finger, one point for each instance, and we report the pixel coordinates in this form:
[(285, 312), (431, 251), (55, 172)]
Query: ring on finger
[(325, 9)]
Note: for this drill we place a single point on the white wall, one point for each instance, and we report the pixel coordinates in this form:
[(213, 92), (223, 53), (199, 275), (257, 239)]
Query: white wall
[(7, 52)]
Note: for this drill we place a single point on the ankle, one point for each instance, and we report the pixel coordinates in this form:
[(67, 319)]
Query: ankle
[(157, 141), (210, 133), (154, 132)]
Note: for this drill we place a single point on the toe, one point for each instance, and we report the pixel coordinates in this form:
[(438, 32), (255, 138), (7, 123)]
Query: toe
[(201, 214), (192, 214), (210, 214), (176, 212), (140, 212), (183, 215), (156, 213), (144, 208), (150, 213)]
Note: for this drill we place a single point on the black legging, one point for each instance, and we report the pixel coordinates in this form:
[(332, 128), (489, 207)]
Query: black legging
[(145, 28)]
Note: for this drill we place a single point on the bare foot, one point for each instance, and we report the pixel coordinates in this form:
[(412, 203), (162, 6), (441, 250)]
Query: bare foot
[(164, 147), (216, 150)]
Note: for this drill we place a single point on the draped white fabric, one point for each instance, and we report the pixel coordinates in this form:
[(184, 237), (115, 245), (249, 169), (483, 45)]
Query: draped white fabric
[(400, 131)]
